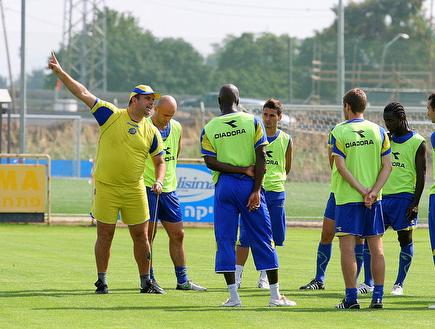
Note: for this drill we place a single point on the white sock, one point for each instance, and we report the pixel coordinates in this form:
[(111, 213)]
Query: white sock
[(274, 291), (263, 276), (232, 288), (239, 271)]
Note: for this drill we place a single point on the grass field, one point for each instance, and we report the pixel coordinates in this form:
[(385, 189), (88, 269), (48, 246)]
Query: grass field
[(304, 200), (47, 275)]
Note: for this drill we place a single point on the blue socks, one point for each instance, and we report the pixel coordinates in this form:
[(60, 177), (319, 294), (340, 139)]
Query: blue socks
[(405, 259), (368, 280), (351, 295), (323, 256), (378, 293), (152, 273), (181, 273)]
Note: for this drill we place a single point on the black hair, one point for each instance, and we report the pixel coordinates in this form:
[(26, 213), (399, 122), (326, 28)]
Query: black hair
[(431, 98), (398, 111)]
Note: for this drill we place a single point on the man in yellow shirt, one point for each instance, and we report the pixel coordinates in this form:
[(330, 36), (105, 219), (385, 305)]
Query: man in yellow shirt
[(126, 140)]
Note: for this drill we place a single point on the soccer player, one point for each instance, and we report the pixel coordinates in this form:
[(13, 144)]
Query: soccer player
[(126, 140), (402, 191), (233, 147), (362, 156), (168, 204), (279, 153), (431, 115), (324, 250)]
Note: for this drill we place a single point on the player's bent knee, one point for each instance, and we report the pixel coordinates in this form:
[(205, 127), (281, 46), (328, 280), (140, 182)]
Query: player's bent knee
[(404, 237), (328, 231)]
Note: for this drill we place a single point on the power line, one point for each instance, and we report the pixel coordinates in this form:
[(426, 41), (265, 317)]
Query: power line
[(248, 6), (226, 14), (33, 17)]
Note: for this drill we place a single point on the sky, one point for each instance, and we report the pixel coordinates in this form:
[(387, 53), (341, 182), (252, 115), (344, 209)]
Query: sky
[(200, 22)]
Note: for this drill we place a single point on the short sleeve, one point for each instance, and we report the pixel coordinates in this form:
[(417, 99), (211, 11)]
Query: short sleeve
[(206, 146), (260, 133), (103, 111)]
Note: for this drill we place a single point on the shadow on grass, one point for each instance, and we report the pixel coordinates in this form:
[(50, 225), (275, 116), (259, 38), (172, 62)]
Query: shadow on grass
[(81, 292), (413, 302), (45, 292), (195, 309), (185, 308)]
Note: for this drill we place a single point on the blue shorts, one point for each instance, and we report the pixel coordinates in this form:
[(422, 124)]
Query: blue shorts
[(168, 209), (357, 219), (231, 197), (394, 208), (276, 205), (330, 207), (432, 222)]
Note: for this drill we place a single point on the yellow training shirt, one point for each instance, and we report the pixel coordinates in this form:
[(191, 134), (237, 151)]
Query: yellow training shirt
[(123, 145)]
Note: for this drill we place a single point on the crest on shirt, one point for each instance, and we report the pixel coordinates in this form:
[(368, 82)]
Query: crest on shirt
[(132, 131)]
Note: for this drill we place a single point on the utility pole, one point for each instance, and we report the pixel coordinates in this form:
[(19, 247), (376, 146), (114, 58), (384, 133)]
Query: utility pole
[(11, 81), (23, 88), (84, 37), (340, 52), (430, 45)]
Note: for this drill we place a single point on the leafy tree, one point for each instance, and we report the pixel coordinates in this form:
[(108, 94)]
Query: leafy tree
[(136, 56), (369, 26), (258, 65), (35, 80)]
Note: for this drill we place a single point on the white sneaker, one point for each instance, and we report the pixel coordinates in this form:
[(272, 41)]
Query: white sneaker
[(282, 301), (431, 307), (263, 284), (232, 303), (397, 290), (365, 289)]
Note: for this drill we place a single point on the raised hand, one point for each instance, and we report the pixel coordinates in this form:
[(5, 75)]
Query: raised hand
[(53, 64)]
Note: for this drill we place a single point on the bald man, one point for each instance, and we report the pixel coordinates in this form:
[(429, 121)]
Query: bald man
[(233, 146), (168, 204)]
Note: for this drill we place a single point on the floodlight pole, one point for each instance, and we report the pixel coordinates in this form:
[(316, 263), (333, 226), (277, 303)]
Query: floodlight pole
[(11, 81), (384, 53), (23, 90)]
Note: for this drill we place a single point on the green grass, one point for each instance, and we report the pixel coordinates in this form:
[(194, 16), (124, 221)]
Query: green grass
[(70, 196), (47, 276), (305, 200)]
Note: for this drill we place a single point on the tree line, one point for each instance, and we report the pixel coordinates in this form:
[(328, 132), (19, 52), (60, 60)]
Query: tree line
[(265, 65)]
